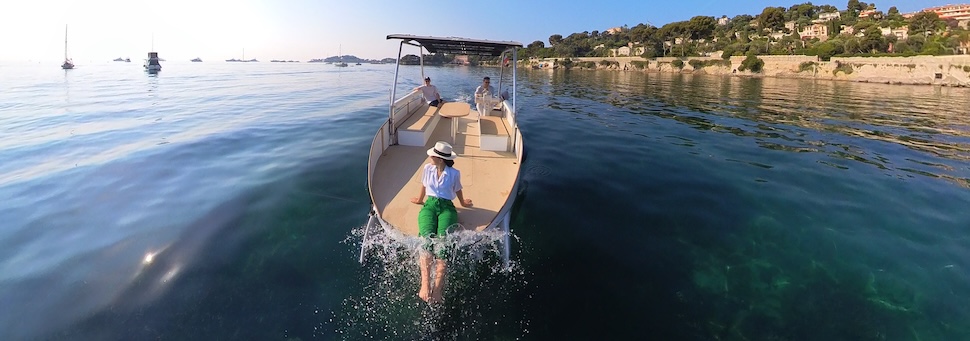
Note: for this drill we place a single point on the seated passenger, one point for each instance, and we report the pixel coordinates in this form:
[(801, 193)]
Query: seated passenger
[(430, 93)]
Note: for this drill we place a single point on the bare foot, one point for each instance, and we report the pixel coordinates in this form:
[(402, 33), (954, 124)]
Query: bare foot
[(425, 293), (436, 297)]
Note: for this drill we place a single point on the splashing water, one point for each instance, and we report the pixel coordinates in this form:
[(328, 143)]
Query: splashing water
[(477, 297)]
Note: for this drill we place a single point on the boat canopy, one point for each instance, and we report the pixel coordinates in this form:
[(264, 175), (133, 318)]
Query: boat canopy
[(462, 46)]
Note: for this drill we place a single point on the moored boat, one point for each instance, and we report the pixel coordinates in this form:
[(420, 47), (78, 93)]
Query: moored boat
[(488, 142), (151, 64), (68, 63)]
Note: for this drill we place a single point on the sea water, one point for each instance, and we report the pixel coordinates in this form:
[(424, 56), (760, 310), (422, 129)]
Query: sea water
[(227, 201)]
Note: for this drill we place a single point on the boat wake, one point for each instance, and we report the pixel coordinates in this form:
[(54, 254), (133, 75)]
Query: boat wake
[(478, 295)]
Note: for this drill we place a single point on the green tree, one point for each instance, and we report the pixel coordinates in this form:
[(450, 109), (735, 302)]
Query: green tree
[(873, 41), (701, 27), (894, 12), (855, 6), (805, 10), (827, 9), (916, 42), (669, 34), (555, 39), (772, 18), (925, 22), (825, 50)]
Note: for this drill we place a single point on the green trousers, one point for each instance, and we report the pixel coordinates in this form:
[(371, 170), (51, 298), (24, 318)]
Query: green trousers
[(436, 217)]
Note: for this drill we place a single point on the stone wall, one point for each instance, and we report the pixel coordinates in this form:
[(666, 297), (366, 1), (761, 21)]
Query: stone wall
[(936, 70)]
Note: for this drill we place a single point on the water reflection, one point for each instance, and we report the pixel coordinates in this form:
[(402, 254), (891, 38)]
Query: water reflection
[(796, 115)]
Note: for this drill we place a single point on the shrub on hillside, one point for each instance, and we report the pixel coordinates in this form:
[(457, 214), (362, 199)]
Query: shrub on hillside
[(752, 63), (677, 63), (807, 66), (640, 64), (844, 67), (565, 63)]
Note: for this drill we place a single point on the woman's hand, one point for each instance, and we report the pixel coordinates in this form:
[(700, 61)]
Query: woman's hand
[(466, 203), (417, 200)]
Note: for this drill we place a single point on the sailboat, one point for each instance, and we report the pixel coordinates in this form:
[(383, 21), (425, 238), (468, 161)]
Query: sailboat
[(243, 60), (68, 63), (151, 64), (340, 55)]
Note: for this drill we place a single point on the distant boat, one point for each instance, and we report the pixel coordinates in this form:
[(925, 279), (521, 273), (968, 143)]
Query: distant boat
[(357, 64), (151, 64), (243, 60), (68, 63), (340, 56), (119, 59), (196, 60)]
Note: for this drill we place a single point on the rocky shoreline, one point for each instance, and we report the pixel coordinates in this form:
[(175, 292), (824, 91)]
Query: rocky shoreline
[(918, 70)]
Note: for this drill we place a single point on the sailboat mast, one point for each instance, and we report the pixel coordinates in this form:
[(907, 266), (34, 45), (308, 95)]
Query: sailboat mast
[(65, 41)]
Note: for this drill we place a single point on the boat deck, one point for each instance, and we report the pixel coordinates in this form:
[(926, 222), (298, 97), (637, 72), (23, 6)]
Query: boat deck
[(487, 178)]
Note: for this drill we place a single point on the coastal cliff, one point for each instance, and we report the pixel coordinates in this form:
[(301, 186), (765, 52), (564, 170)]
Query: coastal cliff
[(917, 70)]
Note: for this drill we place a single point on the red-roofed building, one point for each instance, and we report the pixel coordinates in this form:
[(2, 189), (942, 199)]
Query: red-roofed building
[(955, 12), (867, 13)]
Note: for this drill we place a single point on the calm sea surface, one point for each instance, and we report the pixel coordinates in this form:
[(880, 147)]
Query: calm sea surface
[(225, 201)]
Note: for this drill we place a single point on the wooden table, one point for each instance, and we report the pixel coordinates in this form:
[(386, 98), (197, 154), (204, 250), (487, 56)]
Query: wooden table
[(454, 110)]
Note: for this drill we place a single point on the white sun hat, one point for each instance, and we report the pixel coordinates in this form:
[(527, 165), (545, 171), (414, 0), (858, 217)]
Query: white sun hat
[(443, 150)]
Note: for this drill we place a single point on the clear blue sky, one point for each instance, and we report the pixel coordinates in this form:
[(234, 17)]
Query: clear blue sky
[(101, 30)]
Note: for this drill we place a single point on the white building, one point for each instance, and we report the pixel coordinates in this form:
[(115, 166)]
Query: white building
[(901, 33), (829, 16)]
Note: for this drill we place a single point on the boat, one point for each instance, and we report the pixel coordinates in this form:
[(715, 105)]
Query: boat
[(151, 64), (119, 59), (488, 141), (68, 63), (243, 60), (197, 60), (340, 58)]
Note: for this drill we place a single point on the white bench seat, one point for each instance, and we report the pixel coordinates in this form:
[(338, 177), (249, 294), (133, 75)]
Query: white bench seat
[(417, 129), (494, 133)]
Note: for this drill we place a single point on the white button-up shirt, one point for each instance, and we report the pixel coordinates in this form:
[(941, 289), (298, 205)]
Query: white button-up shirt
[(444, 187)]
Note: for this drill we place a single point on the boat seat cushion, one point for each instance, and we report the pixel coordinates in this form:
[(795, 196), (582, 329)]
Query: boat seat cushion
[(419, 121), (492, 125)]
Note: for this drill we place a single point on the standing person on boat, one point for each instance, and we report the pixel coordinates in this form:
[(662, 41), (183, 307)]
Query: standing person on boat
[(483, 96), (441, 182), (430, 93), (481, 90)]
